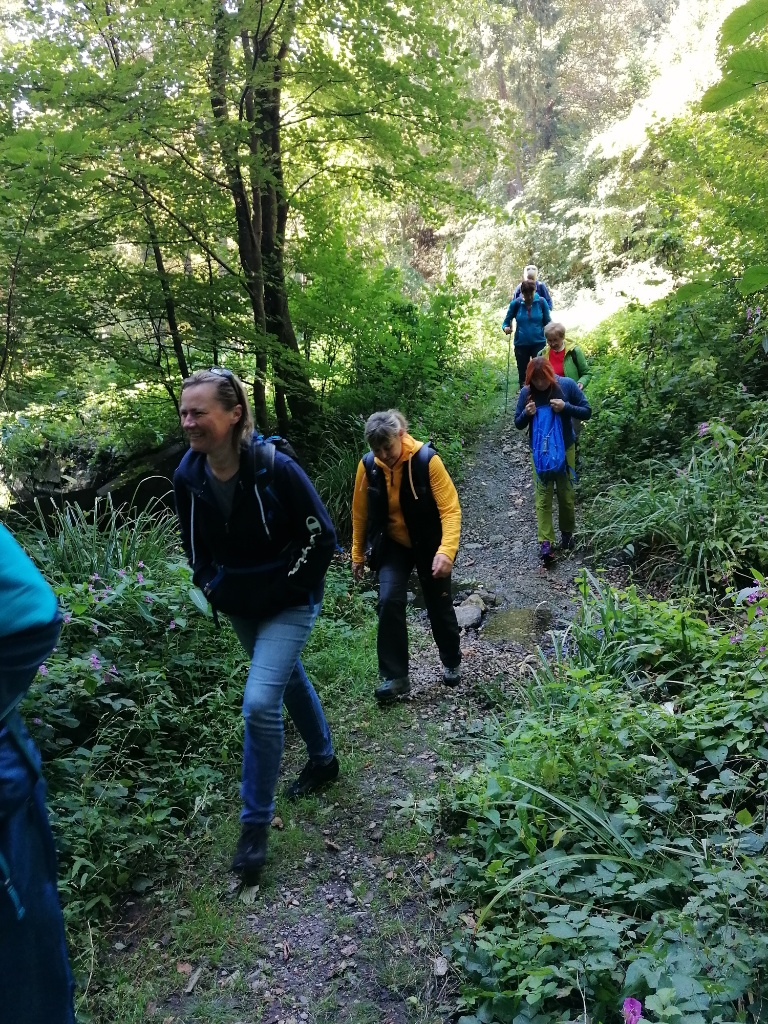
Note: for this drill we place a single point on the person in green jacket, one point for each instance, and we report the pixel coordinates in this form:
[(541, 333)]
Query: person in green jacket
[(566, 359)]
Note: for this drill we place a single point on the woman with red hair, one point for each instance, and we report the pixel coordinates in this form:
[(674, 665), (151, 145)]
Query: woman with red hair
[(543, 388)]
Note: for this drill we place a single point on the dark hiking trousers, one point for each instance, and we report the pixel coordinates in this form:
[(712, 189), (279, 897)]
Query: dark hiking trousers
[(35, 980), (392, 640), (523, 355)]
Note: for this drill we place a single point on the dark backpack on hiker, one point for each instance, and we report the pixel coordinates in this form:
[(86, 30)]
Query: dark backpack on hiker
[(251, 591), (547, 444)]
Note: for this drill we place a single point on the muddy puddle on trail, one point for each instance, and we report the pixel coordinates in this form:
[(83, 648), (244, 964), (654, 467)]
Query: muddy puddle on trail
[(524, 626)]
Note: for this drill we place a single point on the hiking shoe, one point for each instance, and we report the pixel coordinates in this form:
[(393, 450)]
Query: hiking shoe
[(451, 676), (392, 688), (545, 551), (313, 777), (567, 542), (251, 853)]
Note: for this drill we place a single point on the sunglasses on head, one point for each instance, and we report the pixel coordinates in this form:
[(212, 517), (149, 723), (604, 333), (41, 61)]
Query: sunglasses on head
[(222, 371)]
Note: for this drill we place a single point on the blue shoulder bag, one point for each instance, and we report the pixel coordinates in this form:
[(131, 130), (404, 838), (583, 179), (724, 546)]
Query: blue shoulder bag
[(548, 445)]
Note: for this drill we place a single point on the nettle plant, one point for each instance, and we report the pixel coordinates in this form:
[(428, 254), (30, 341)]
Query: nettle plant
[(613, 844)]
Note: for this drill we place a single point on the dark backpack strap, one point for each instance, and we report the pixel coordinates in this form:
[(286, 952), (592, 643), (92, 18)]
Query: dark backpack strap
[(369, 463), (262, 460), (12, 724), (420, 462)]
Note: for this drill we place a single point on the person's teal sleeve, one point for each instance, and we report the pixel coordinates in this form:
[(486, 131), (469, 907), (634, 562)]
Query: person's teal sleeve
[(27, 599)]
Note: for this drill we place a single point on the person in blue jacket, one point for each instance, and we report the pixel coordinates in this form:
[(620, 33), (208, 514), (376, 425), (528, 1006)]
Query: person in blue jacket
[(531, 315), (259, 541), (568, 401), (531, 273), (36, 985)]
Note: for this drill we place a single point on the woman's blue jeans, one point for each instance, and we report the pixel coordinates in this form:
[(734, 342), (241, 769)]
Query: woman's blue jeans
[(277, 677)]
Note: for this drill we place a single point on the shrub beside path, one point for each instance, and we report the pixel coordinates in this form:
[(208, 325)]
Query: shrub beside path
[(348, 924)]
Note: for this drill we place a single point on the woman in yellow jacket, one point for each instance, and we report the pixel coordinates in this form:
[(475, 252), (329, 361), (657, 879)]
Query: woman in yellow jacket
[(406, 513)]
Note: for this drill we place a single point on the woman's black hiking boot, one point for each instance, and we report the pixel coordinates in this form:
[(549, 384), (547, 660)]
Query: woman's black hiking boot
[(251, 853)]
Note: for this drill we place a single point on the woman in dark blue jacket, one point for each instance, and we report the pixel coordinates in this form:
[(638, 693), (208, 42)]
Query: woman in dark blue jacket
[(259, 541), (531, 315)]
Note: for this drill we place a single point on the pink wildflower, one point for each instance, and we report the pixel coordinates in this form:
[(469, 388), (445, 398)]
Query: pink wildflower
[(172, 624), (632, 1011), (139, 577), (43, 670)]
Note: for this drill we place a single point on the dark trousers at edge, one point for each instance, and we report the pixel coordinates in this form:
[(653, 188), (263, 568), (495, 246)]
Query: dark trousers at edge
[(35, 980), (392, 640)]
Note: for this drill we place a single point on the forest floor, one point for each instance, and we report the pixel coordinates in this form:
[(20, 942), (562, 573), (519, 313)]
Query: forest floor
[(348, 924)]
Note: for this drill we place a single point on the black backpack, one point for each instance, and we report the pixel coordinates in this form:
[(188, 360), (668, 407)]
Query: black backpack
[(263, 451)]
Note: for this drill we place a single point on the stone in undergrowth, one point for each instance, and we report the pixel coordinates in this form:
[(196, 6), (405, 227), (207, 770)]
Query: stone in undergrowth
[(440, 966), (472, 547), (497, 538), (468, 616), (476, 600)]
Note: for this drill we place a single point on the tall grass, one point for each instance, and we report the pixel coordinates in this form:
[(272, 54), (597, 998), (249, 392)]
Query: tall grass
[(77, 542), (699, 523)]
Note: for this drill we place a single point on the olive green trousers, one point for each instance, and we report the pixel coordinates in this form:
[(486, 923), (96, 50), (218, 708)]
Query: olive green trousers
[(543, 494)]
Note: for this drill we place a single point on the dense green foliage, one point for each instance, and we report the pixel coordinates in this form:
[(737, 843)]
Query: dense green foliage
[(129, 711), (614, 837), (159, 174), (678, 444), (137, 711)]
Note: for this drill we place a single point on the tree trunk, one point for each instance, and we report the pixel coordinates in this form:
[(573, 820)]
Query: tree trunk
[(289, 366), (170, 305), (248, 241), (262, 216)]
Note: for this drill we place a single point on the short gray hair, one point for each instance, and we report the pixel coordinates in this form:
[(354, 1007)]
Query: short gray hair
[(553, 327), (531, 272), (382, 427)]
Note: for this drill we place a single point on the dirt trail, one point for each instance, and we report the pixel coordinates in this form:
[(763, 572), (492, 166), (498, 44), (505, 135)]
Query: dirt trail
[(350, 929)]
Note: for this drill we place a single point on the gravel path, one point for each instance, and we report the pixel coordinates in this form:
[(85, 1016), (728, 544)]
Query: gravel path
[(499, 556), (352, 930)]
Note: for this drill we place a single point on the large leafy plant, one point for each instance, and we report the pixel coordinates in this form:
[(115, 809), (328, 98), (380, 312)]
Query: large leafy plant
[(613, 841)]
